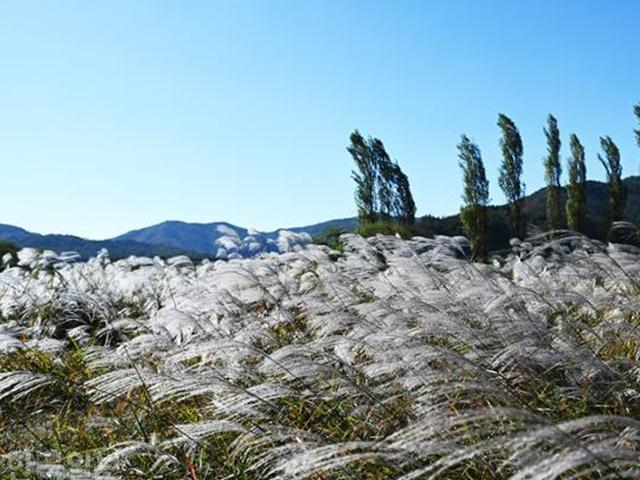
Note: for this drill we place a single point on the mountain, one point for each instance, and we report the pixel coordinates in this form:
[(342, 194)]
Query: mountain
[(197, 237), (172, 238), (534, 208), (87, 248), (202, 237), (200, 240), (317, 229)]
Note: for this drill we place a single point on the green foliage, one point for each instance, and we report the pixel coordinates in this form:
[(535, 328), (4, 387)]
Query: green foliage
[(617, 190), (636, 111), (365, 177), (331, 238), (9, 248), (63, 419), (576, 205), (404, 207), (552, 173), (49, 416), (385, 177), (382, 188), (596, 214), (384, 227), (473, 214), (510, 173)]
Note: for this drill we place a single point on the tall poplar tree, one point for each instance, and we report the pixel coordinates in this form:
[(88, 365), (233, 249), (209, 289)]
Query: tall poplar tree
[(617, 189), (404, 205), (365, 177), (552, 173), (511, 172), (384, 178), (475, 196), (636, 111), (576, 191)]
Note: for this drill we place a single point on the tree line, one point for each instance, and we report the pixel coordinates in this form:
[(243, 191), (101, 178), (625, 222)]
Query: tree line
[(383, 193), (475, 197)]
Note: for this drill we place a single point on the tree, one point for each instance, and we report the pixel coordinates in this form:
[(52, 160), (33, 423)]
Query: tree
[(636, 111), (404, 205), (384, 178), (510, 173), (552, 173), (382, 188), (365, 177), (473, 213), (576, 191), (617, 189)]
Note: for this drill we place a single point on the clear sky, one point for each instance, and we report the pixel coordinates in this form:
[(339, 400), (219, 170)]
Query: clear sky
[(120, 114)]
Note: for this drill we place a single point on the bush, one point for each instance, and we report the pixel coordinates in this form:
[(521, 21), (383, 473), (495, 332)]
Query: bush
[(331, 238), (11, 248), (385, 227)]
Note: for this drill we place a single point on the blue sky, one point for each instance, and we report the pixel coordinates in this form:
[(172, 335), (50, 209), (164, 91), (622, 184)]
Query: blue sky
[(120, 114)]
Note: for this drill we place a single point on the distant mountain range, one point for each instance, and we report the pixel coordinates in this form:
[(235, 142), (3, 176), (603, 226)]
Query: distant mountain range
[(165, 239), (205, 240), (87, 248), (201, 237)]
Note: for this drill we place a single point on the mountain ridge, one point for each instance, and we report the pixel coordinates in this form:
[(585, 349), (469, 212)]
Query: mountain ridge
[(165, 239), (201, 237), (85, 247), (198, 240)]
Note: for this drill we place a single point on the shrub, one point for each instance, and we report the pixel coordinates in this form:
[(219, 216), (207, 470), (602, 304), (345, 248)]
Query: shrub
[(385, 227), (331, 238), (10, 248)]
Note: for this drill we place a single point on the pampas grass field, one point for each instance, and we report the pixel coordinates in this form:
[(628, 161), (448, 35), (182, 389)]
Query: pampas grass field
[(387, 358)]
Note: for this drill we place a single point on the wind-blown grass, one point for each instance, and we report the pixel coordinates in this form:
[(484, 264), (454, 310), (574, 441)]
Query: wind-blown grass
[(395, 359)]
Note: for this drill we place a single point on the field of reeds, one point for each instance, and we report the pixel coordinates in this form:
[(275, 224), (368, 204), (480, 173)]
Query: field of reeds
[(385, 358)]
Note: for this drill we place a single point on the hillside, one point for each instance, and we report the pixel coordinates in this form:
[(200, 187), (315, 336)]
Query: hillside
[(535, 210), (173, 238), (348, 224), (202, 237), (200, 240), (198, 237), (88, 248)]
